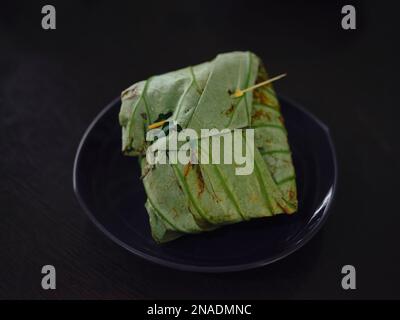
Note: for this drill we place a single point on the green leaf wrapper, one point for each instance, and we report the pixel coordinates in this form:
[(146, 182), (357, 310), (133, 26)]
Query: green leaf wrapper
[(199, 197)]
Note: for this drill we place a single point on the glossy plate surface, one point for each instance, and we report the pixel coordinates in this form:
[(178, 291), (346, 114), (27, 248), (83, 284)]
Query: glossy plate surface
[(108, 187)]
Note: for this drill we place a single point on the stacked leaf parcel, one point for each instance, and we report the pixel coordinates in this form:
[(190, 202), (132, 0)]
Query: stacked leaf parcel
[(192, 198)]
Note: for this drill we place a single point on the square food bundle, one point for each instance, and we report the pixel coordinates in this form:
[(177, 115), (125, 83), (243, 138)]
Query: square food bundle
[(188, 190)]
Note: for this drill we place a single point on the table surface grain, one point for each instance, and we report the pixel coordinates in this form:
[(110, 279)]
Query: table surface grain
[(53, 83)]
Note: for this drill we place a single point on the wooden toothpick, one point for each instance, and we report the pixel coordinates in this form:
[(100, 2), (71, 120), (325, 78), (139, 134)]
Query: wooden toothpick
[(239, 92), (156, 124)]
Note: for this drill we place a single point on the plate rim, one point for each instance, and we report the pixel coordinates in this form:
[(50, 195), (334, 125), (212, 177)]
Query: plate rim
[(210, 269)]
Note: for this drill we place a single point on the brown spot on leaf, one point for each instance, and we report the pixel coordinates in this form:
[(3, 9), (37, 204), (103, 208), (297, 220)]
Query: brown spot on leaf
[(129, 94), (265, 99), (292, 195), (260, 96), (256, 96), (200, 180), (186, 169), (259, 114), (175, 213), (253, 198), (284, 209), (230, 110)]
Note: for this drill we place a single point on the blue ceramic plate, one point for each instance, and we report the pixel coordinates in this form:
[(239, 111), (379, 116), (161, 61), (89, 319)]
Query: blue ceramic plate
[(108, 187)]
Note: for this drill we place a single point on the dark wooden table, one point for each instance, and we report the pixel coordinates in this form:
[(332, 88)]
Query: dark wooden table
[(53, 83)]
